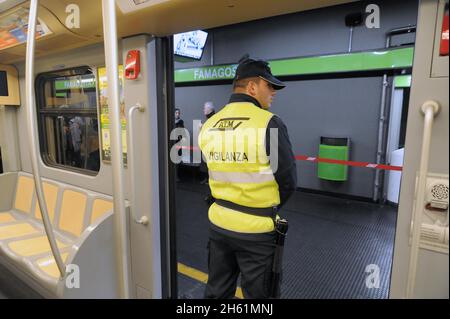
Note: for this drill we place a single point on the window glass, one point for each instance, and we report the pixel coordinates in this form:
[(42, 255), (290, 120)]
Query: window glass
[(3, 84), (68, 121), (71, 92)]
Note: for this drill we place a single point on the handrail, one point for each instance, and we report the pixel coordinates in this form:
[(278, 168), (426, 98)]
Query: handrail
[(32, 134), (138, 107), (430, 109), (120, 221)]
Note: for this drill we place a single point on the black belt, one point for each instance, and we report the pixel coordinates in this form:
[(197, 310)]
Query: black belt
[(264, 212)]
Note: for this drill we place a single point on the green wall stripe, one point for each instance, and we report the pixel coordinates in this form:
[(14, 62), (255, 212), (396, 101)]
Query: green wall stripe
[(336, 63)]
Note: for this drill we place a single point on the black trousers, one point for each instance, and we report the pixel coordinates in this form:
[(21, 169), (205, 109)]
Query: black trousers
[(228, 257)]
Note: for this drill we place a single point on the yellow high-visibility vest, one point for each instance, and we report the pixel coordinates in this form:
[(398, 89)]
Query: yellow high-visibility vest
[(233, 144)]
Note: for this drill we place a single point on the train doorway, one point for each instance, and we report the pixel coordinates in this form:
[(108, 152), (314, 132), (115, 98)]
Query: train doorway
[(343, 214)]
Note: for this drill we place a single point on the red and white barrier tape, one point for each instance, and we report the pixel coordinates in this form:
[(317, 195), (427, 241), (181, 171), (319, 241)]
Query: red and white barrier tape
[(349, 163), (329, 160)]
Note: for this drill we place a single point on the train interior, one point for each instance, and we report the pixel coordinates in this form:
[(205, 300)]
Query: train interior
[(350, 69)]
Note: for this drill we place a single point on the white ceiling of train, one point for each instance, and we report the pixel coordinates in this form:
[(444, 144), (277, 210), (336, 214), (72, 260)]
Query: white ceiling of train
[(157, 17)]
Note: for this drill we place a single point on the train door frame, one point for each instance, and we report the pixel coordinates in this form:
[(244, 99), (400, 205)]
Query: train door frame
[(170, 109), (152, 245), (165, 101), (413, 261)]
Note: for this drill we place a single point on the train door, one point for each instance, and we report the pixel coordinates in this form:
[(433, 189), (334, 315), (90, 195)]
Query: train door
[(152, 245)]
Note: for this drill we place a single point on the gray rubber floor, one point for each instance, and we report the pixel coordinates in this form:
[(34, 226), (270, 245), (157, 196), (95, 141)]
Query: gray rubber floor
[(13, 288), (332, 248)]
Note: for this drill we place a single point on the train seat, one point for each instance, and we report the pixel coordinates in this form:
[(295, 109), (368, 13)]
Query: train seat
[(13, 222), (6, 217), (82, 223), (24, 192)]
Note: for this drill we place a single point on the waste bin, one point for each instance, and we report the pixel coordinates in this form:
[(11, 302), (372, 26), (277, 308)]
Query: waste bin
[(333, 148)]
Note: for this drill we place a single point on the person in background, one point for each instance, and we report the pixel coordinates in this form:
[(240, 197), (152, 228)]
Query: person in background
[(208, 111), (77, 136), (93, 161), (179, 123), (67, 144)]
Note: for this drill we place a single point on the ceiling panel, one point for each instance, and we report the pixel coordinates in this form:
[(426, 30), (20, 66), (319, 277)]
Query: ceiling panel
[(162, 19)]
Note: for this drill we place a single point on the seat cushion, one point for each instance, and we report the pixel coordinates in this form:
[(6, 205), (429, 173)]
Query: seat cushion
[(33, 246), (24, 194), (17, 230), (73, 209), (51, 195), (99, 208), (48, 265), (6, 217)]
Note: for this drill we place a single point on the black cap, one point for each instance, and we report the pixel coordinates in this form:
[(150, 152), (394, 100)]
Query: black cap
[(249, 68)]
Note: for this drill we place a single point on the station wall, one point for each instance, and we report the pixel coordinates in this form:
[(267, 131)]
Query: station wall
[(334, 107)]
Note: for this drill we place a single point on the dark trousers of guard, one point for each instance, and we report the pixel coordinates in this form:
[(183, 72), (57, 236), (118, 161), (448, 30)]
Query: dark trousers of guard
[(228, 257)]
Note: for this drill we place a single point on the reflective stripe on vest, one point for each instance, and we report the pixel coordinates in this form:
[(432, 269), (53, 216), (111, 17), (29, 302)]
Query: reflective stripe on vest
[(233, 144), (241, 177)]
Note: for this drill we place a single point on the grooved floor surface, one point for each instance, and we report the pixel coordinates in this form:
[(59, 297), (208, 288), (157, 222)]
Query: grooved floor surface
[(336, 248)]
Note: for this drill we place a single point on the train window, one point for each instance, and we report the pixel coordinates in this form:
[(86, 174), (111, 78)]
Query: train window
[(68, 120)]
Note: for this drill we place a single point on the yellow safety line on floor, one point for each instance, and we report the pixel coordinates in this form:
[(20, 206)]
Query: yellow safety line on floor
[(202, 277)]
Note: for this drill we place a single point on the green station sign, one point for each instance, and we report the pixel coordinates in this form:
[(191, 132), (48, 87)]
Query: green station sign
[(334, 63)]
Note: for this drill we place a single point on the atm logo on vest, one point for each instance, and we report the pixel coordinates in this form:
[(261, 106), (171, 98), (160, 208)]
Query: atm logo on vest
[(229, 123)]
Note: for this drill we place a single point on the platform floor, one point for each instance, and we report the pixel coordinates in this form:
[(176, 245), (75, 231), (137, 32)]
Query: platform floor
[(329, 247)]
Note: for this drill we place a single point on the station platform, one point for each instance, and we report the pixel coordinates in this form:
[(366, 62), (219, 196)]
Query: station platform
[(330, 243)]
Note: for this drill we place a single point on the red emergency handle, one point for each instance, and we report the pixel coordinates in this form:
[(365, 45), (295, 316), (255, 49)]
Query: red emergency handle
[(444, 35), (132, 65)]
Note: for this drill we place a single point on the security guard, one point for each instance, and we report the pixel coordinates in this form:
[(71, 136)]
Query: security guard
[(252, 173)]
